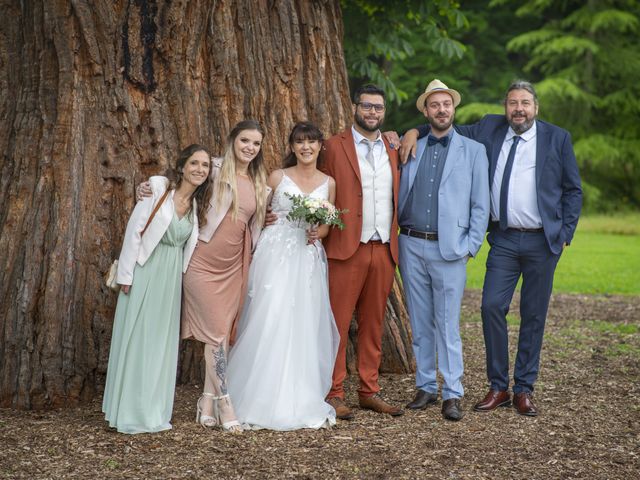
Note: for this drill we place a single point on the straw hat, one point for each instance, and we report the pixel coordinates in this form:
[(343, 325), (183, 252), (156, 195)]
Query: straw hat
[(437, 86)]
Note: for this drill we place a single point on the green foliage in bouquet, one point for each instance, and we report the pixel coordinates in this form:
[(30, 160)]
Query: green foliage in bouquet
[(314, 211)]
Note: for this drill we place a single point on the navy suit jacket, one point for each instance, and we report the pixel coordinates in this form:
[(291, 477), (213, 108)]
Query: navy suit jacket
[(558, 184)]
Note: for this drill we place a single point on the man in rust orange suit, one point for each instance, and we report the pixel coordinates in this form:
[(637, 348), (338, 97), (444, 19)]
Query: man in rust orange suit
[(363, 256)]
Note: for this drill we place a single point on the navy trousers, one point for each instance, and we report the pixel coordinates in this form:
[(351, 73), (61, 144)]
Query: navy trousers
[(514, 253)]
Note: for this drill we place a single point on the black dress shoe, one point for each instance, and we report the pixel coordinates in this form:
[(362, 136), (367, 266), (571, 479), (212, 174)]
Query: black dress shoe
[(422, 400), (452, 409)]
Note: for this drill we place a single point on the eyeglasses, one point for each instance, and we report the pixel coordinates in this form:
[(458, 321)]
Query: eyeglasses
[(366, 106)]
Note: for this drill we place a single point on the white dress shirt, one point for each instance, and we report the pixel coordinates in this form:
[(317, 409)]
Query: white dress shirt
[(522, 201)]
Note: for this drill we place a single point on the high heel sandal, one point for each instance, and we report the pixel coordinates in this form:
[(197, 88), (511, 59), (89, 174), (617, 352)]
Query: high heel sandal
[(232, 426), (207, 421)]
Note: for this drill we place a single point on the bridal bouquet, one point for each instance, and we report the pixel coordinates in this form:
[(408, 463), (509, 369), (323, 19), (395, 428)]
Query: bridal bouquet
[(314, 211)]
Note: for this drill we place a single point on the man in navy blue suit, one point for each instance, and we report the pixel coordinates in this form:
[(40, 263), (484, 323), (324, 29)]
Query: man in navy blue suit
[(536, 199)]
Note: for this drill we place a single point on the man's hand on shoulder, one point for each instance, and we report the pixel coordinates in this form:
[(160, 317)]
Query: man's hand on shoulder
[(393, 139), (408, 145)]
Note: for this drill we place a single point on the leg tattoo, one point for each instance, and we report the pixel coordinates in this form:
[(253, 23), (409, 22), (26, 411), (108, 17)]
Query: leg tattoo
[(220, 359)]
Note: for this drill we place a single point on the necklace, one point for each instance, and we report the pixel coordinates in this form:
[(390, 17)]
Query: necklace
[(183, 200)]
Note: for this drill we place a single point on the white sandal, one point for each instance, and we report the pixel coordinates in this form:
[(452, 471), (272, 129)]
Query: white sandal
[(206, 421), (232, 426)]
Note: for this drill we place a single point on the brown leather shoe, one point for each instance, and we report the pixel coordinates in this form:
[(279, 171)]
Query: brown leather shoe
[(343, 412), (377, 404), (524, 404), (452, 409), (493, 400)]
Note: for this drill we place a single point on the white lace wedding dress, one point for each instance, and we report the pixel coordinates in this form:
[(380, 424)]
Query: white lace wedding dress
[(280, 367)]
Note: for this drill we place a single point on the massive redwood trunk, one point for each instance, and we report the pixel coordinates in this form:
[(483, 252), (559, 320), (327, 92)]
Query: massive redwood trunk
[(97, 95)]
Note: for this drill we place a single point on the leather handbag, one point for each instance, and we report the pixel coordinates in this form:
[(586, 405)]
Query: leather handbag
[(110, 278)]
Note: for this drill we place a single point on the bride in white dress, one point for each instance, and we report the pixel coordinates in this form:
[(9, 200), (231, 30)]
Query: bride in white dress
[(280, 367)]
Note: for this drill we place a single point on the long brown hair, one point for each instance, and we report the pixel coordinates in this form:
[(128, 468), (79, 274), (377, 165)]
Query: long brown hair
[(202, 193), (226, 181)]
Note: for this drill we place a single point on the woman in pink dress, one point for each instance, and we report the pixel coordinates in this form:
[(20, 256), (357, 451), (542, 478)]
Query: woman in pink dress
[(215, 282)]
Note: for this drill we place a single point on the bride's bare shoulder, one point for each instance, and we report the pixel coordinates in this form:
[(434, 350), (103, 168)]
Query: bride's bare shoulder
[(275, 178)]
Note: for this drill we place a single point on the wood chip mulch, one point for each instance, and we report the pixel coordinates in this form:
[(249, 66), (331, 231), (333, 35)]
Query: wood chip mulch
[(588, 393)]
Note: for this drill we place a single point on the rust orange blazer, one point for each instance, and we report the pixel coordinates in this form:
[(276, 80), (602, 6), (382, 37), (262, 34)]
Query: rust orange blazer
[(339, 159)]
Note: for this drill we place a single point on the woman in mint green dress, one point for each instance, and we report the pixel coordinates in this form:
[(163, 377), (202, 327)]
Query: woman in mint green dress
[(159, 241)]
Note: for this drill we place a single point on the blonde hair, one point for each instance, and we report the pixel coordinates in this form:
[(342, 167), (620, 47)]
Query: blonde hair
[(226, 182)]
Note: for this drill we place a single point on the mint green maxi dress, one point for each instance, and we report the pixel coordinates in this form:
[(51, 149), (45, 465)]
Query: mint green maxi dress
[(141, 377)]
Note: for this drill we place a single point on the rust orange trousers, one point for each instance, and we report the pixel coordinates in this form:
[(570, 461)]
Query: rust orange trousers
[(362, 284)]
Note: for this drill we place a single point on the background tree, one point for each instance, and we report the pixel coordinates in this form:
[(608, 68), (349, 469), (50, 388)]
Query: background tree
[(580, 54), (94, 97), (381, 36), (585, 61), (480, 74)]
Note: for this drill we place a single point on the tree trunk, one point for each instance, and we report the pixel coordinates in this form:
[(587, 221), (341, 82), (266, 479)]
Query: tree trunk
[(94, 97)]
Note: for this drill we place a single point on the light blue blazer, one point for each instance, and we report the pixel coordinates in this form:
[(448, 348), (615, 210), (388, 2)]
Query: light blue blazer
[(463, 197)]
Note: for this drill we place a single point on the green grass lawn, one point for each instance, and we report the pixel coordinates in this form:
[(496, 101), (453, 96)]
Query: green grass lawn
[(604, 257)]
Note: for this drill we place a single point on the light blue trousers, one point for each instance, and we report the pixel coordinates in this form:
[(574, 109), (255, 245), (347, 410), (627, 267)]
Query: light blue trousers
[(434, 287)]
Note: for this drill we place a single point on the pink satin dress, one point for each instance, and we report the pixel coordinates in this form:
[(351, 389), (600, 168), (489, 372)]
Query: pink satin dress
[(214, 285)]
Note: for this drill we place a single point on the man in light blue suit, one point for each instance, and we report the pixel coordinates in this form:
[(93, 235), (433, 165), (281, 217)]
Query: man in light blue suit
[(443, 211)]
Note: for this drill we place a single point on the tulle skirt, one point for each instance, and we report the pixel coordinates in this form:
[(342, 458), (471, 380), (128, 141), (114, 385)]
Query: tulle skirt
[(281, 365)]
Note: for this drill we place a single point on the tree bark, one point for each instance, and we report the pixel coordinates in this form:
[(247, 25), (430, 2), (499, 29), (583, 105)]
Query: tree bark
[(94, 97)]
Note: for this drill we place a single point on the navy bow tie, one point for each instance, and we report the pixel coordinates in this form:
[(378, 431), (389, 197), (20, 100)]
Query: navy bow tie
[(444, 141)]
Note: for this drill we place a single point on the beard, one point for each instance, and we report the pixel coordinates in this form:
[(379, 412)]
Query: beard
[(521, 127), (439, 124), (360, 121)]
